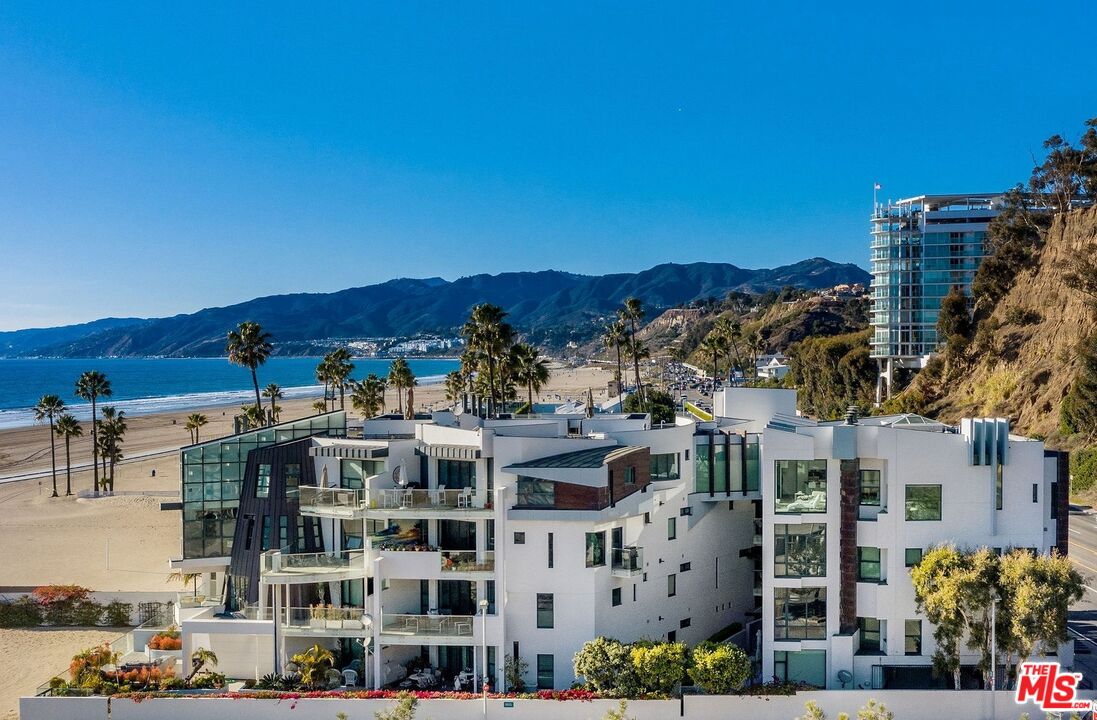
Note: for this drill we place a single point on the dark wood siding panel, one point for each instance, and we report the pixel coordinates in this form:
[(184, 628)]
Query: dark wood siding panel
[(640, 461)]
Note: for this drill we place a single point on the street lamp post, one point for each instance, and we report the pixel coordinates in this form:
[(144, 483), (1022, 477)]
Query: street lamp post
[(484, 655)]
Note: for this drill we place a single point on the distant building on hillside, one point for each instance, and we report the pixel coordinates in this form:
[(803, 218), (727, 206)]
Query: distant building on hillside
[(922, 247)]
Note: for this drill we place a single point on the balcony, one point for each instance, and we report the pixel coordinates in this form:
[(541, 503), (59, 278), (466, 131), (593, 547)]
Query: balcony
[(297, 568), (627, 561), (427, 629), (326, 621), (435, 503), (416, 563), (467, 561), (331, 502)]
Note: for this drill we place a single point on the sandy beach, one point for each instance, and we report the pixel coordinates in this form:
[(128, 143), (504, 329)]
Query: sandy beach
[(123, 543)]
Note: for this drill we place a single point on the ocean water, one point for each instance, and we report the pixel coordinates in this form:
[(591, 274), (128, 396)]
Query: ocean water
[(149, 385)]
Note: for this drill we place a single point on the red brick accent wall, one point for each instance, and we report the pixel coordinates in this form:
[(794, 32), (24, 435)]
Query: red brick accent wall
[(640, 461), (847, 533)]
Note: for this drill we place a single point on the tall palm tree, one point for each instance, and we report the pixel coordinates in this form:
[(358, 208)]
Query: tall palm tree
[(455, 385), (248, 346), (274, 392), (639, 352), (714, 344), (320, 406), (632, 313), (49, 408), (68, 428), (614, 336), (757, 346), (91, 386), (339, 368), (732, 332), (401, 377), (114, 431), (530, 369), (194, 422), (488, 334), (470, 365), (367, 396)]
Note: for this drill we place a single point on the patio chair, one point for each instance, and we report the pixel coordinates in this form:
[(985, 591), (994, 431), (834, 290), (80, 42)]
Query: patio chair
[(350, 678), (464, 498), (463, 627)]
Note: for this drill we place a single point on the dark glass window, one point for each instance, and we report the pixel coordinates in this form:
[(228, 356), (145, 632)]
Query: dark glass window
[(868, 564), (519, 538), (923, 502), (684, 567), (262, 485), (801, 486), (615, 597), (870, 487), (800, 613), (249, 530), (630, 475), (870, 634), (664, 466), (913, 556), (550, 549), (800, 550), (596, 549), (265, 544), (545, 604), (293, 478), (533, 492), (672, 528), (912, 644), (456, 474), (545, 676), (672, 585), (353, 473)]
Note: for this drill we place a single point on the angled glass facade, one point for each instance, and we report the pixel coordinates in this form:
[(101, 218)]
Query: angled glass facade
[(213, 471)]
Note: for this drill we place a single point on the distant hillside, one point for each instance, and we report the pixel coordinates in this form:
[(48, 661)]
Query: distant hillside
[(26, 342), (536, 301)]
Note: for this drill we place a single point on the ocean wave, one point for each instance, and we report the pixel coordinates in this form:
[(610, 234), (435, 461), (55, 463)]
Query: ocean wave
[(22, 417)]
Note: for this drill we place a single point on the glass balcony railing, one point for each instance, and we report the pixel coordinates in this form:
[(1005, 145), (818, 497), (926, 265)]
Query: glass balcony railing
[(289, 564), (426, 626), (320, 619), (627, 561), (436, 499), (336, 501), (468, 561)]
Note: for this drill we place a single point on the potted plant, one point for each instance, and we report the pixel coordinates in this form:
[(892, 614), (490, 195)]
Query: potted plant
[(335, 618), (317, 617)]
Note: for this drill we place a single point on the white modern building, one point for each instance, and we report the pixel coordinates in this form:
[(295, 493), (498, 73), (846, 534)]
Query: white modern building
[(455, 540)]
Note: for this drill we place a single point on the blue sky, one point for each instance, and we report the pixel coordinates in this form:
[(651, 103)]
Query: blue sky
[(155, 161)]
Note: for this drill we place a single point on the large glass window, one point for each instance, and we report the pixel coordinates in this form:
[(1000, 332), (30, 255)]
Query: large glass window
[(546, 679), (913, 637), (870, 634), (923, 502), (456, 474), (868, 564), (265, 545), (912, 556), (800, 550), (664, 466), (754, 467), (353, 473), (702, 468), (870, 487), (720, 466), (672, 528), (672, 585), (262, 485), (801, 486), (545, 604), (534, 492), (801, 666), (596, 549), (800, 613), (292, 473)]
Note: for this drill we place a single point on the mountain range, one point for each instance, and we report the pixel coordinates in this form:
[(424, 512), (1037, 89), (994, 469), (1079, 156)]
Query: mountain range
[(407, 306)]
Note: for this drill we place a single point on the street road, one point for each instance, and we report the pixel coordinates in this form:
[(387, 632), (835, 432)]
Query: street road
[(1083, 618)]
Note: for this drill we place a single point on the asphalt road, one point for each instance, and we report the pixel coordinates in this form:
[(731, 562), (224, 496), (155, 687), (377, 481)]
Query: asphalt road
[(1083, 618)]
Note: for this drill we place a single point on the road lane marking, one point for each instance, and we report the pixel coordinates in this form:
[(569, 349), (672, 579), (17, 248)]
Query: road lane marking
[(1076, 532), (1080, 546), (1084, 637), (1087, 567)]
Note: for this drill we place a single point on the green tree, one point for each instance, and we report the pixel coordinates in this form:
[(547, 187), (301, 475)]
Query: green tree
[(49, 408), (632, 314), (530, 369), (313, 665), (1078, 411), (455, 385), (1037, 592), (714, 345), (320, 406), (68, 428), (659, 403), (659, 667), (719, 669), (614, 337), (606, 666), (339, 368), (368, 396), (732, 333), (489, 336), (113, 429), (323, 375), (274, 393), (514, 673), (248, 346), (91, 386), (401, 377), (618, 713), (195, 421), (832, 373), (200, 659), (954, 320)]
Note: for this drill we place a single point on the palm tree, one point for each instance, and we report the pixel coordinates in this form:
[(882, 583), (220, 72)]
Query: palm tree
[(338, 371), (68, 428), (91, 386), (757, 346), (320, 406), (194, 422), (185, 578), (199, 659), (401, 377), (253, 415), (632, 313), (530, 369), (732, 331), (715, 345), (614, 336), (248, 346), (639, 352), (487, 334), (455, 385), (49, 408), (114, 430), (275, 393), (367, 396), (323, 374)]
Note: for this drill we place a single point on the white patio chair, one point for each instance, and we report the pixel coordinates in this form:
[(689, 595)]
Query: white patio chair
[(464, 498), (350, 678)]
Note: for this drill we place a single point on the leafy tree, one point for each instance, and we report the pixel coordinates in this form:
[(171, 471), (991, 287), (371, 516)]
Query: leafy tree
[(455, 385), (91, 386), (514, 672), (313, 664), (714, 345), (719, 668), (50, 408), (1037, 591), (489, 337), (248, 346), (68, 428), (320, 406), (833, 373), (401, 377), (618, 713), (274, 393), (731, 333), (659, 667), (659, 403), (337, 370), (1078, 411), (1014, 237), (195, 421), (953, 320), (368, 396), (606, 665), (530, 369)]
